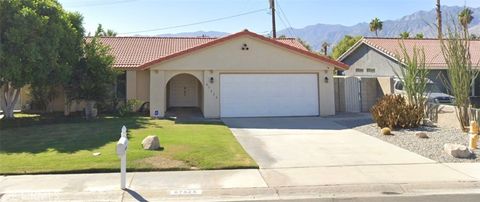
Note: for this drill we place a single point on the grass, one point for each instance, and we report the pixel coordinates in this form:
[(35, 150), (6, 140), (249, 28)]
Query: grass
[(45, 144)]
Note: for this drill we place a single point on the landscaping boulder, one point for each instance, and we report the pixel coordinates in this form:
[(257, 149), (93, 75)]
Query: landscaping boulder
[(151, 143), (457, 151), (386, 131), (421, 135)]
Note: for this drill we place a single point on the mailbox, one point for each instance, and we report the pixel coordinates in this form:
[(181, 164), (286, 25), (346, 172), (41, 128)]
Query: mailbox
[(122, 145)]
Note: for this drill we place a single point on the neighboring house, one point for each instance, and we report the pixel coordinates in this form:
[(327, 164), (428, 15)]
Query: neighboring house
[(376, 57), (240, 75)]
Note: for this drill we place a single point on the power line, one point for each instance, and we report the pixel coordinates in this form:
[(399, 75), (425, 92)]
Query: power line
[(197, 23), (286, 19), (285, 25)]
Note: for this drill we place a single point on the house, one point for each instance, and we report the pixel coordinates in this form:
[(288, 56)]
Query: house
[(376, 57), (240, 75)]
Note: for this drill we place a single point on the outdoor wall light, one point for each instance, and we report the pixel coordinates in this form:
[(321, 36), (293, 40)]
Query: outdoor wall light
[(211, 79), (326, 79)]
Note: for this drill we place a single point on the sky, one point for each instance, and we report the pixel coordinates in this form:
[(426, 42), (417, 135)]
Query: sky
[(135, 17)]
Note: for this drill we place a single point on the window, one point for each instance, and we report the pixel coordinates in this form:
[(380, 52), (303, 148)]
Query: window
[(359, 70), (121, 86), (370, 70)]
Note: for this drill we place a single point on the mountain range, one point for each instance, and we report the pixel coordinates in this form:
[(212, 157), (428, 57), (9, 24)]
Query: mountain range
[(418, 22)]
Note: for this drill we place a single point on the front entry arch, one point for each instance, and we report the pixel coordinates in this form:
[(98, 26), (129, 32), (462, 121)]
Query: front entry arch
[(184, 90)]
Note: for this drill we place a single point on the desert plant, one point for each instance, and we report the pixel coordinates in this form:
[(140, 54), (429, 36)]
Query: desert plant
[(461, 73), (394, 111), (414, 75)]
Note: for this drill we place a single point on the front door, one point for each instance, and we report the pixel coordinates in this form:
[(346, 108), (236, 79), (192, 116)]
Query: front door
[(183, 91)]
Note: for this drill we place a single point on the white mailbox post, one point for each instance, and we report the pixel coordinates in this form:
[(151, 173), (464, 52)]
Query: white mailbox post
[(122, 146)]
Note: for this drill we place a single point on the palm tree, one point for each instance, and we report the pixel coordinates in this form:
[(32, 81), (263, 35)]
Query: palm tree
[(404, 35), (465, 18), (325, 46), (101, 32), (419, 36), (376, 25)]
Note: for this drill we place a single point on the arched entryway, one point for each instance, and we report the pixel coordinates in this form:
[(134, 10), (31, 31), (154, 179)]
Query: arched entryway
[(184, 95)]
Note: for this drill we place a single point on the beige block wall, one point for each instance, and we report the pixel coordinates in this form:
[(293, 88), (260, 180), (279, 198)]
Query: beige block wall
[(262, 57)]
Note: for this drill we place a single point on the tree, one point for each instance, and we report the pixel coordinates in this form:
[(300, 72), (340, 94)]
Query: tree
[(405, 35), (465, 17), (35, 45), (101, 32), (43, 92), (325, 46), (439, 20), (93, 77), (419, 36), (343, 45), (376, 25), (461, 72)]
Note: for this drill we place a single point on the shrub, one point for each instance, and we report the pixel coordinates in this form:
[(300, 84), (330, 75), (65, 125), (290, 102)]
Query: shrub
[(128, 107), (393, 111)]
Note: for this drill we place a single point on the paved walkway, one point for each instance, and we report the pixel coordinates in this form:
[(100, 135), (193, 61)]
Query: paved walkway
[(249, 184)]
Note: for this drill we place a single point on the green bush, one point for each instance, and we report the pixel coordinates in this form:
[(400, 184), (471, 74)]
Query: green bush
[(393, 111), (128, 107)]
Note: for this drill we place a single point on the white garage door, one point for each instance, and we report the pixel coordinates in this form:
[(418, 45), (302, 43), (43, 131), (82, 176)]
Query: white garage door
[(252, 95)]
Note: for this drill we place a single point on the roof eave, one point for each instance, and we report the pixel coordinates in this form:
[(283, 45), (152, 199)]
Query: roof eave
[(337, 64)]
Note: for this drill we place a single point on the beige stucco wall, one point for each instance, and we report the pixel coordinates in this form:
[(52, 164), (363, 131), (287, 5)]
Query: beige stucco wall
[(57, 104), (138, 86), (227, 57)]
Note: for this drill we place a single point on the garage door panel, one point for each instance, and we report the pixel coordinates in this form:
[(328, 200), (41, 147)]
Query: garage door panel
[(250, 95)]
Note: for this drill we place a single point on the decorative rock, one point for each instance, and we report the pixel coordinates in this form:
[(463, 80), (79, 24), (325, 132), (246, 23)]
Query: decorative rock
[(457, 151), (421, 135), (151, 143), (386, 131)]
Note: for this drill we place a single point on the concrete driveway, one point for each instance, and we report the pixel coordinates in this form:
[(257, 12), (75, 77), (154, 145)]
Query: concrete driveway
[(314, 142)]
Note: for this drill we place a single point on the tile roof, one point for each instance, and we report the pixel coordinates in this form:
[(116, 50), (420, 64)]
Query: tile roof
[(141, 52), (432, 47)]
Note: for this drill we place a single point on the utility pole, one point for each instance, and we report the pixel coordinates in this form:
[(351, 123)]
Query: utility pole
[(274, 30), (439, 20)]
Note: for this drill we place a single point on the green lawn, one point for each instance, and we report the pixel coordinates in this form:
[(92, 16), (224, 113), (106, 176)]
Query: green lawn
[(32, 144)]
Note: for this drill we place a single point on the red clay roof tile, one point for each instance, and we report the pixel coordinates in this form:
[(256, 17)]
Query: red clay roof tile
[(141, 52), (432, 48)]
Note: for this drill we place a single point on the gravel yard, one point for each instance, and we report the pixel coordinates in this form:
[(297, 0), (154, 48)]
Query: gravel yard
[(431, 148)]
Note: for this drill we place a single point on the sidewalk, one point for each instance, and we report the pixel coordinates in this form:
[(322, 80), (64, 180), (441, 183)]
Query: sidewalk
[(250, 184)]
